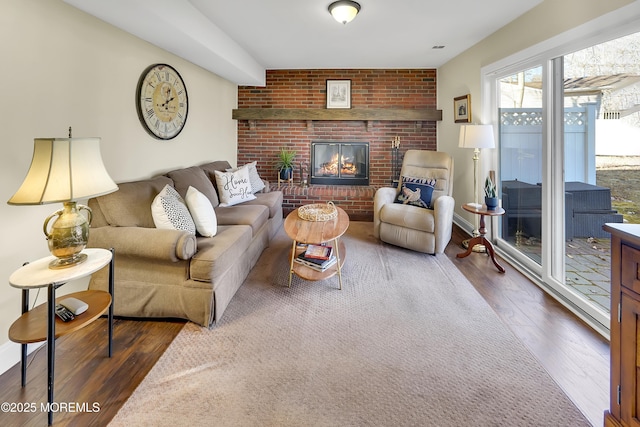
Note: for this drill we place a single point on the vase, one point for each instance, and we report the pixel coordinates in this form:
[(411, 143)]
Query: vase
[(286, 174), (491, 202)]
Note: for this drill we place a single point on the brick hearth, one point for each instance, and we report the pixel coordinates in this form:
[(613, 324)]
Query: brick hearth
[(357, 201)]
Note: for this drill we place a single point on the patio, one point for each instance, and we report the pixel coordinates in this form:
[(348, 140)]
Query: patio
[(587, 267)]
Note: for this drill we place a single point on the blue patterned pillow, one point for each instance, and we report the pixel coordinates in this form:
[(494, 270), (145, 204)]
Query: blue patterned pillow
[(416, 191)]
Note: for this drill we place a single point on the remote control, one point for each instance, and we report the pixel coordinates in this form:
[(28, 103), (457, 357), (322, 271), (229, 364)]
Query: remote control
[(63, 313), (74, 305)]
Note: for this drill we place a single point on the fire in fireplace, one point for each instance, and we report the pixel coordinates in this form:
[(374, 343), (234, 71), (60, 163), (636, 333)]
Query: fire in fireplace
[(340, 163)]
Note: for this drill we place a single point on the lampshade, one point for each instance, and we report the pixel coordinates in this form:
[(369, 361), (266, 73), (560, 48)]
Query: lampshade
[(344, 11), (476, 136), (65, 170), (62, 170)]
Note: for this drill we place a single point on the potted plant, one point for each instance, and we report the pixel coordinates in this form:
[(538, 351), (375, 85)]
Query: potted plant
[(284, 163), (490, 197)]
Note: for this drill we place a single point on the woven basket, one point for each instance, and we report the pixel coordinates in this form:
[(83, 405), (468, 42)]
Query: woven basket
[(318, 212)]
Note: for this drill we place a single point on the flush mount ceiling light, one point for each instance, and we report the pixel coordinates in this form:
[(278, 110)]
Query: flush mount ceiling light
[(344, 10)]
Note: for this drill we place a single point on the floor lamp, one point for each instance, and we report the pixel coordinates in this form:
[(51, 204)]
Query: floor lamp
[(476, 137)]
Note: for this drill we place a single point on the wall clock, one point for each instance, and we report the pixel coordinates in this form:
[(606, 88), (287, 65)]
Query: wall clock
[(162, 101)]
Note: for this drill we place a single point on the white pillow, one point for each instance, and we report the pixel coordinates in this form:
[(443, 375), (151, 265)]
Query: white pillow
[(257, 184), (170, 212), (234, 187), (202, 212)]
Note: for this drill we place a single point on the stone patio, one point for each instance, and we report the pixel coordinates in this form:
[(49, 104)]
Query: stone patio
[(587, 265)]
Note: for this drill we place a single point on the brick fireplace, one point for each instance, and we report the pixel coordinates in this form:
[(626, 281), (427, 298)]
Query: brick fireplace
[(305, 90)]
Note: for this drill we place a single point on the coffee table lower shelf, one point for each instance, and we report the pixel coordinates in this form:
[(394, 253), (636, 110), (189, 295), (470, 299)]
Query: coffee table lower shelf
[(308, 273)]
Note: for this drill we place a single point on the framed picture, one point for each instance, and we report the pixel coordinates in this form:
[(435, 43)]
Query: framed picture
[(338, 93), (462, 109)]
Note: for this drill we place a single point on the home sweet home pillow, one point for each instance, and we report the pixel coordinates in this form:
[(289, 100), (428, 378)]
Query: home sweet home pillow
[(234, 187), (257, 184)]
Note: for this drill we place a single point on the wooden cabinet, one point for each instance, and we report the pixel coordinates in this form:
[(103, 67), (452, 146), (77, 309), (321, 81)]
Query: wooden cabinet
[(624, 404)]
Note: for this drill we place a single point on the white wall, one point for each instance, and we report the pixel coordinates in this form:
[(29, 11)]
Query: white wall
[(461, 76), (61, 68)]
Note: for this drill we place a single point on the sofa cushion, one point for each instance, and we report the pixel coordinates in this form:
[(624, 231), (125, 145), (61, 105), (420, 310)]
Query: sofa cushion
[(253, 215), (202, 213), (217, 255), (130, 205), (272, 200), (194, 177), (234, 187), (210, 168), (170, 212)]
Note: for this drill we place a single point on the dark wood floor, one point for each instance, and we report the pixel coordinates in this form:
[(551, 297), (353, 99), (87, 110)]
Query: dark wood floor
[(575, 356)]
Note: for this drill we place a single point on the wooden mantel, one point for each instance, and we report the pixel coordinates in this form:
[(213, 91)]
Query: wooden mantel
[(367, 114)]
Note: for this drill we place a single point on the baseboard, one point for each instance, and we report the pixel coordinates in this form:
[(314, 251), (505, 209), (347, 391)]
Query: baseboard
[(463, 224), (10, 354)]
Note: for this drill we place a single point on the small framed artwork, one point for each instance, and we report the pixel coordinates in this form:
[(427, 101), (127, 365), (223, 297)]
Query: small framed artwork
[(338, 93), (462, 109)]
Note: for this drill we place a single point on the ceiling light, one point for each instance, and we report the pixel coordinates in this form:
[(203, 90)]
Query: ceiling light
[(344, 10)]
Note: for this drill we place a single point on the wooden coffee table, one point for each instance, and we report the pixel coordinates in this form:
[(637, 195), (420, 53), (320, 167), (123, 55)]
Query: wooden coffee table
[(316, 232)]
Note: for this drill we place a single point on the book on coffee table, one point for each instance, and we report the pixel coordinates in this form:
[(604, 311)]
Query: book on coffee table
[(318, 252), (314, 263)]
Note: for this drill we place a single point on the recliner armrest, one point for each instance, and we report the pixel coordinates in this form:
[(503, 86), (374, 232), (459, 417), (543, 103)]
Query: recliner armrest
[(154, 243), (383, 196), (443, 208)]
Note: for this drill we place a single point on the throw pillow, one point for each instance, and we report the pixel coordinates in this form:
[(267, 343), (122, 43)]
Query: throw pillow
[(202, 212), (416, 191), (234, 187), (170, 212), (257, 184)]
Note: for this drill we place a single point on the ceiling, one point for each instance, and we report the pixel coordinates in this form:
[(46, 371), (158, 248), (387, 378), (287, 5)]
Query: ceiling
[(240, 39)]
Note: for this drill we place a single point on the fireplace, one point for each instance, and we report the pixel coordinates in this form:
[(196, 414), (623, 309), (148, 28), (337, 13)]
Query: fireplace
[(339, 163)]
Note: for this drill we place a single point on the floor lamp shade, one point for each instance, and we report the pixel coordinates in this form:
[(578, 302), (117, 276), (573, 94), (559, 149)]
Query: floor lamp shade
[(65, 170), (476, 136)]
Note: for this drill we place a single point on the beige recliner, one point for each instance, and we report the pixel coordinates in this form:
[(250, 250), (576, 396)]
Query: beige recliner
[(401, 219)]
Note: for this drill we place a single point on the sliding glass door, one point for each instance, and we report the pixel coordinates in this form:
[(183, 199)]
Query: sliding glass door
[(567, 129)]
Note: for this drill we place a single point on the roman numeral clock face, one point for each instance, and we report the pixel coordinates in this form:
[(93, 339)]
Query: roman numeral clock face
[(162, 101)]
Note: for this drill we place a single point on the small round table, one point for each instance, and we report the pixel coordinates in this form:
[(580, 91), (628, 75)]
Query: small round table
[(481, 240), (316, 232)]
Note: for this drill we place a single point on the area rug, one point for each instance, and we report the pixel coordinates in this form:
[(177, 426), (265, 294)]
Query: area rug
[(408, 341)]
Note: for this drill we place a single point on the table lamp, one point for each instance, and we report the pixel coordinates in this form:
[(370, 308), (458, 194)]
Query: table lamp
[(65, 170)]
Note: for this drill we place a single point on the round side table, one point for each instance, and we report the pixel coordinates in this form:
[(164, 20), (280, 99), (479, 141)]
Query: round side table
[(481, 240), (30, 327)]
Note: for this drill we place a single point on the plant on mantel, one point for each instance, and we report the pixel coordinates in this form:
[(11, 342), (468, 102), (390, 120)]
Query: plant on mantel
[(284, 163)]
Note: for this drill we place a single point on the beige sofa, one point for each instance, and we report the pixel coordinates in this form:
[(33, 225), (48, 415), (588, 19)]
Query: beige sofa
[(163, 273)]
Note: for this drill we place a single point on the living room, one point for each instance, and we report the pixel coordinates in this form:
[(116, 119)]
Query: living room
[(66, 68)]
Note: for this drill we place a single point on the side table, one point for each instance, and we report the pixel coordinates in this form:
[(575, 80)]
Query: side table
[(30, 327), (481, 240)]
